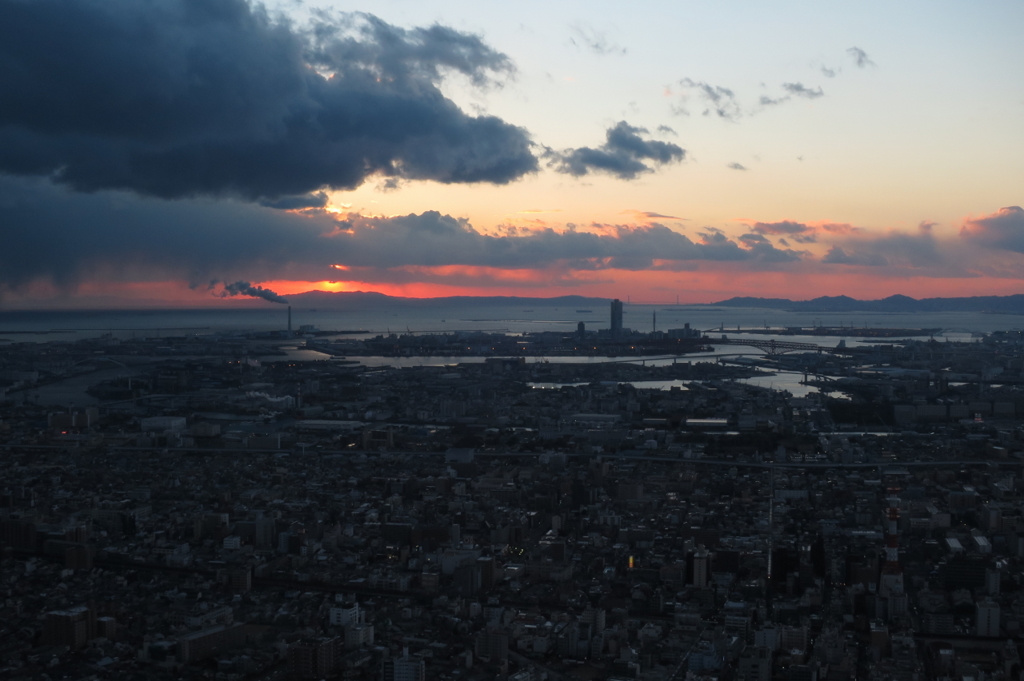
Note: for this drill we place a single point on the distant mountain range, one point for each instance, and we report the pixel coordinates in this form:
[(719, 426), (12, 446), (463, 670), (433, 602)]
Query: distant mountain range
[(895, 304), (1005, 304)]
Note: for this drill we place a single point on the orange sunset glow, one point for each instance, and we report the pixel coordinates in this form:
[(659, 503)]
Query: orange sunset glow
[(791, 155)]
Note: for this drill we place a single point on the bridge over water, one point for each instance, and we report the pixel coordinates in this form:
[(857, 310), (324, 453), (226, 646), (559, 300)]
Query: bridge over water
[(685, 348), (771, 346)]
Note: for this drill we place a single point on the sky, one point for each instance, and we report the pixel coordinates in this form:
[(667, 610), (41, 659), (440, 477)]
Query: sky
[(209, 152)]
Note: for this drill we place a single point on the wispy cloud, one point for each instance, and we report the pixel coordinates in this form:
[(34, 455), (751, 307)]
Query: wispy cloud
[(860, 57), (598, 42), (800, 90), (648, 215), (716, 100), (724, 103)]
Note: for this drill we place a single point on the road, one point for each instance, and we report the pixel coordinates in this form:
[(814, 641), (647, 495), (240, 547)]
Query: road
[(892, 465)]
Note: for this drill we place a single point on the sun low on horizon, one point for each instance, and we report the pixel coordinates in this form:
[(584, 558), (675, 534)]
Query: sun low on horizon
[(178, 154)]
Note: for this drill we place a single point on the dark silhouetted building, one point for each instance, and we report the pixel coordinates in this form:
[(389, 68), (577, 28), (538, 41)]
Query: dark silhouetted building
[(616, 327), (73, 627)]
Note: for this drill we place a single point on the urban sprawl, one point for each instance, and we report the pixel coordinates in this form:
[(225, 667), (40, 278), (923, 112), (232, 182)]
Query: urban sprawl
[(561, 506)]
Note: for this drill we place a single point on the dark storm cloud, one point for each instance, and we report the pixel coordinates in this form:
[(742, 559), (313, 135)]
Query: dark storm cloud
[(244, 288), (53, 234), (860, 57), (57, 235), (625, 154), (801, 90), (313, 200), (214, 97)]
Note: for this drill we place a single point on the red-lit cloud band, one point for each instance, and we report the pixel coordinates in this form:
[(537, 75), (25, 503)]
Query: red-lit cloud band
[(62, 244)]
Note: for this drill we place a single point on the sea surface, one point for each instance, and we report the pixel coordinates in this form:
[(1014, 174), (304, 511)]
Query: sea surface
[(508, 318)]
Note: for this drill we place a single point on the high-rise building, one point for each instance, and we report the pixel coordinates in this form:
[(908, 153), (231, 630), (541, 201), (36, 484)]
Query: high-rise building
[(313, 658), (755, 664), (700, 568), (346, 614), (73, 627), (616, 327), (595, 617), (405, 668), (492, 645), (358, 635), (987, 618), (106, 627), (892, 572), (567, 640)]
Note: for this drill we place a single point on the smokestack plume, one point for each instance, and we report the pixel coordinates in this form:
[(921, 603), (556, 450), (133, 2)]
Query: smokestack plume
[(244, 288)]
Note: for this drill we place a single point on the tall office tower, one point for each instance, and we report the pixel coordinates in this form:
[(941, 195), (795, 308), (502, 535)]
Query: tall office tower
[(616, 317), (700, 568), (987, 618), (892, 571)]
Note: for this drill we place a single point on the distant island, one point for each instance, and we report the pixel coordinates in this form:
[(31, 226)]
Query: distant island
[(1013, 304)]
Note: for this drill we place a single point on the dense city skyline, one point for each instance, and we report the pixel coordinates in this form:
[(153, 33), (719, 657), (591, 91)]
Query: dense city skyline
[(151, 153)]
